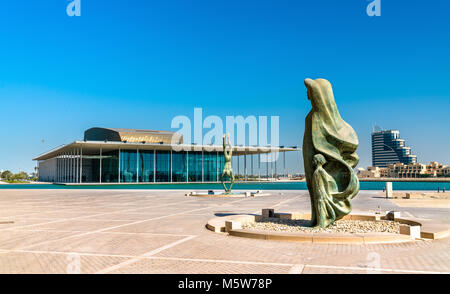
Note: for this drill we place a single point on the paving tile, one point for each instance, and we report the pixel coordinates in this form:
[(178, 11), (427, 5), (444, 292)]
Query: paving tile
[(158, 266), (45, 263), (109, 243)]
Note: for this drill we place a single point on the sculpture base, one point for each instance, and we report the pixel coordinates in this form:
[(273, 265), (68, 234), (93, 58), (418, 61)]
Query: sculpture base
[(222, 194), (240, 225)]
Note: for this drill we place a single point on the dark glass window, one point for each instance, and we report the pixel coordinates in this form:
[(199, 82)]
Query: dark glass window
[(146, 166), (179, 166), (210, 166), (221, 163), (110, 166), (195, 166), (128, 166), (162, 166)]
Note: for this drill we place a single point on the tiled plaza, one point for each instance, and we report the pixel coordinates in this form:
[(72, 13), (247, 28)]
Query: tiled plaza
[(150, 231)]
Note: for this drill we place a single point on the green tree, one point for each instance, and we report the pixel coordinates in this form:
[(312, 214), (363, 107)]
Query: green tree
[(6, 175)]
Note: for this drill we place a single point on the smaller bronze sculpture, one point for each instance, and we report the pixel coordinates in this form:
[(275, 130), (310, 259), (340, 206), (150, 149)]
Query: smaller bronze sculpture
[(227, 169)]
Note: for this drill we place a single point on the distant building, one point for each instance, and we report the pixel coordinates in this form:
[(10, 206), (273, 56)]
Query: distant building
[(138, 156), (400, 170), (388, 148), (371, 172)]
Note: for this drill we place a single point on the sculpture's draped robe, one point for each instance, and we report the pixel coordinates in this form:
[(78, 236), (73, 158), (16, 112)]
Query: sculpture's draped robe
[(328, 134)]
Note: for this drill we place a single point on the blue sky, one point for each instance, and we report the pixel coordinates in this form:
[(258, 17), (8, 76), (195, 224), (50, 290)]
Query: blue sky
[(137, 64)]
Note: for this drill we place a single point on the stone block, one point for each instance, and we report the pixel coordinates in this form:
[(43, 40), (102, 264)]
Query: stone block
[(414, 196), (391, 215), (268, 212), (248, 194), (413, 231), (232, 225)]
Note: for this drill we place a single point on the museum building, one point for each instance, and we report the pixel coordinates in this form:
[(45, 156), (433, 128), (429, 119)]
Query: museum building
[(108, 155)]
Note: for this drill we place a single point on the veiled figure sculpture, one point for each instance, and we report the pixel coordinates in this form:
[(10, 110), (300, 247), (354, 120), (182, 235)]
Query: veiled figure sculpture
[(329, 156), (227, 169)]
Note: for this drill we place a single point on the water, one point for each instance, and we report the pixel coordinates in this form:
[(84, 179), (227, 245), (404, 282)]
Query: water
[(408, 186)]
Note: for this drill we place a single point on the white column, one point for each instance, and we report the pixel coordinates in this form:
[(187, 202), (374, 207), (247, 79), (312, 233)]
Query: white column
[(71, 165), (78, 166), (65, 167), (81, 164)]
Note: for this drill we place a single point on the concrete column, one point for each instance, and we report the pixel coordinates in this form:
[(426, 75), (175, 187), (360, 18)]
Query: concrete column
[(171, 165), (81, 165), (154, 165), (389, 192), (203, 173), (217, 166), (71, 166), (284, 164), (65, 168), (78, 166)]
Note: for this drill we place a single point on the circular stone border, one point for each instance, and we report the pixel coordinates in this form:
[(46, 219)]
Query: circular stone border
[(410, 229), (214, 194)]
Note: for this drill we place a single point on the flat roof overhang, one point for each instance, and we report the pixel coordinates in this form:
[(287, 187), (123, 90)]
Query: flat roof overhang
[(93, 147)]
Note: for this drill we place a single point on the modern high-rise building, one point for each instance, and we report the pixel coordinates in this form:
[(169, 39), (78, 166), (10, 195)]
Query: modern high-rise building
[(387, 148)]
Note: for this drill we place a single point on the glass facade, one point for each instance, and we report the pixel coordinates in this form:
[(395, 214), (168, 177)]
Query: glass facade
[(210, 166), (195, 166), (110, 166), (163, 164), (128, 166), (221, 165), (179, 166), (145, 166), (146, 169)]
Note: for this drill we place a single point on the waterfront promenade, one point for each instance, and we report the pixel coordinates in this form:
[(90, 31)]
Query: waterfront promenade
[(161, 231)]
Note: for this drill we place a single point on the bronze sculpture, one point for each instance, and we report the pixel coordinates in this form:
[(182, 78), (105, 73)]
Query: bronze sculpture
[(329, 156), (227, 169)]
